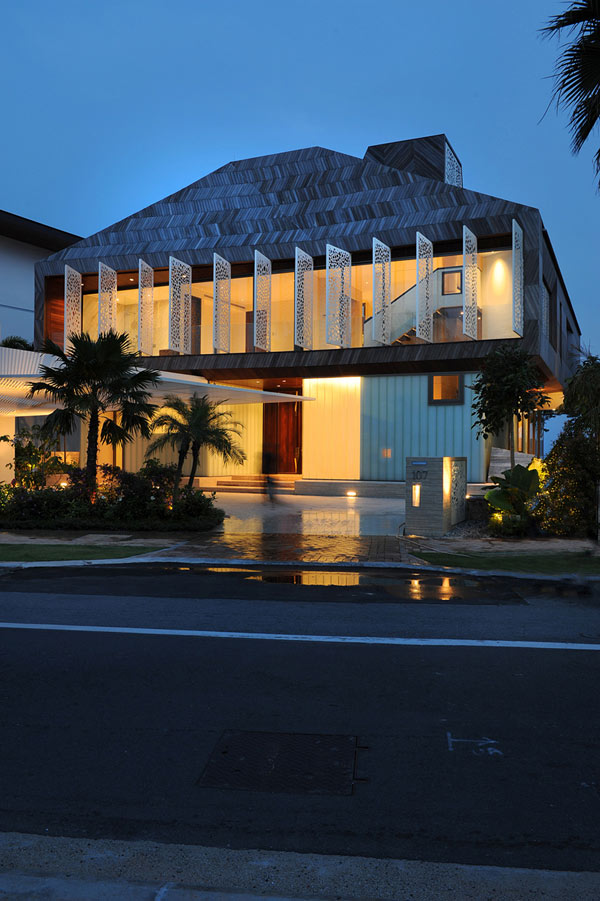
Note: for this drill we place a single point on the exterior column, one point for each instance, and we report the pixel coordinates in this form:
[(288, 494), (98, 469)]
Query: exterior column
[(7, 451)]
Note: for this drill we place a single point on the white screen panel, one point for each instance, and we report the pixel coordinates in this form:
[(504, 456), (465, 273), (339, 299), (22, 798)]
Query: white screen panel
[(470, 284), (453, 169), (518, 277), (262, 301), (180, 294), (145, 308), (337, 298), (221, 304), (424, 288), (72, 304), (107, 299), (382, 292), (545, 311), (303, 300)]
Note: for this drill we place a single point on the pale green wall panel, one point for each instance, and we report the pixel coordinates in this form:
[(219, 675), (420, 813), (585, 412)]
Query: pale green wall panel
[(396, 422)]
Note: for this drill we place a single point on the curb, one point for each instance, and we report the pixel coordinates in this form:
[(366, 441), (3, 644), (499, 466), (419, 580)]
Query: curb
[(563, 578)]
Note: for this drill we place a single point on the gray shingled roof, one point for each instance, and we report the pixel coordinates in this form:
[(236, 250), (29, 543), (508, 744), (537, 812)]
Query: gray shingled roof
[(308, 198)]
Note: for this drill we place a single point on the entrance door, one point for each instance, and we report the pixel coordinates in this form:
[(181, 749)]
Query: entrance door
[(282, 437)]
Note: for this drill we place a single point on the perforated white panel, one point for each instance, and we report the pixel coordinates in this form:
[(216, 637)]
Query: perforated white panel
[(303, 300), (470, 284), (262, 301), (424, 288), (72, 304), (180, 293), (382, 292), (221, 304), (107, 298), (337, 297), (518, 277), (145, 308), (453, 169), (545, 311)]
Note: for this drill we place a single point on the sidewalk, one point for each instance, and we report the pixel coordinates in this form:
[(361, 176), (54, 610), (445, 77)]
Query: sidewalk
[(73, 869)]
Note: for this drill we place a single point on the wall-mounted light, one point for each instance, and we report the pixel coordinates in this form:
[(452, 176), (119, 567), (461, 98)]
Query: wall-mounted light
[(351, 494), (416, 494)]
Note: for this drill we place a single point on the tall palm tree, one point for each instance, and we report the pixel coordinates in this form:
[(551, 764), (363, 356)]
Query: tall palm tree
[(93, 377), (577, 70), (190, 425)]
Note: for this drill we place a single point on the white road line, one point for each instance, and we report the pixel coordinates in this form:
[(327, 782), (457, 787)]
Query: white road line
[(319, 639)]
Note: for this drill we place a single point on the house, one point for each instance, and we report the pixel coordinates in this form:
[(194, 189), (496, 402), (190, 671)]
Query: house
[(368, 291), (22, 243)]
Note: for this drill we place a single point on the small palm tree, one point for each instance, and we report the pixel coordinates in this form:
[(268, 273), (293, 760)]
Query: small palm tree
[(577, 70), (93, 377), (190, 425)]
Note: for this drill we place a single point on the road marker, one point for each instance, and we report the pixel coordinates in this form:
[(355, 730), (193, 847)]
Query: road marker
[(390, 640)]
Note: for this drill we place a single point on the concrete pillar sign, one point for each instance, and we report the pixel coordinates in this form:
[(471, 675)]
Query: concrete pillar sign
[(436, 490)]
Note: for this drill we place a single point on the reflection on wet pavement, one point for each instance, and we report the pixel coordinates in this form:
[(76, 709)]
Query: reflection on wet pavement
[(401, 588)]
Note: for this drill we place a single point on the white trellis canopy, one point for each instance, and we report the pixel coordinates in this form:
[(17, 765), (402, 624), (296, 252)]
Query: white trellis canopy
[(382, 292), (470, 284), (338, 297), (72, 304), (145, 308), (518, 278), (262, 301), (424, 313), (107, 298), (303, 300), (221, 304), (180, 306)]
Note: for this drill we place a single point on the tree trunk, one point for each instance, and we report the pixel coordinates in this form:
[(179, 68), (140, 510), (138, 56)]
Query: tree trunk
[(195, 454), (511, 441), (183, 452), (92, 450)]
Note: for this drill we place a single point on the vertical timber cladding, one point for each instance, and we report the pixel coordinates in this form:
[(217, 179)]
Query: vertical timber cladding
[(338, 297), (518, 278), (470, 284), (331, 428), (145, 309), (73, 285), (262, 302), (180, 306), (303, 300), (424, 314), (221, 304), (107, 299), (382, 292)]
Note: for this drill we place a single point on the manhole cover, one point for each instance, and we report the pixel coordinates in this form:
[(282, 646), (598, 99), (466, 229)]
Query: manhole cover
[(282, 762)]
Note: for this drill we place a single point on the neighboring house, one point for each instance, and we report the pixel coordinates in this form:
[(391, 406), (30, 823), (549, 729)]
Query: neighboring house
[(22, 243), (375, 286)]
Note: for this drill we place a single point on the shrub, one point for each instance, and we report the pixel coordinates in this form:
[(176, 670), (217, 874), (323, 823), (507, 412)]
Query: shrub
[(567, 505), (514, 500), (123, 500)]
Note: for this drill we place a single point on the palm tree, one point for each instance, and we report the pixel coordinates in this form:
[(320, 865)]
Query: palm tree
[(191, 425), (16, 342), (577, 70), (93, 377)]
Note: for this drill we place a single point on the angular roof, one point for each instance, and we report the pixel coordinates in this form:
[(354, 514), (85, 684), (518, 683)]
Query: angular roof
[(308, 198)]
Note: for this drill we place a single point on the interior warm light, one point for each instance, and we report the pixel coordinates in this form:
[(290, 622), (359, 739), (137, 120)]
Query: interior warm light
[(499, 275), (416, 494), (351, 494)]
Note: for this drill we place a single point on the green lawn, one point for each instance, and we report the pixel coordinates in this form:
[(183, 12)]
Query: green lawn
[(33, 553), (549, 564)]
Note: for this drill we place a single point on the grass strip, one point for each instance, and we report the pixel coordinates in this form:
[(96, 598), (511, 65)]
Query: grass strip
[(36, 553), (568, 563)]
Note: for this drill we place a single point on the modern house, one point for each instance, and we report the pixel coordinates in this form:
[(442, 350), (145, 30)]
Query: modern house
[(365, 291), (22, 243)]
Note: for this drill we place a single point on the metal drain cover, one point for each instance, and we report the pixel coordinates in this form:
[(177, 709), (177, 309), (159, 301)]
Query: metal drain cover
[(282, 762)]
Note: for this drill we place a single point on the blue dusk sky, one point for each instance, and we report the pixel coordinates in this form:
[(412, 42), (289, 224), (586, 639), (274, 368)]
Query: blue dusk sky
[(108, 107)]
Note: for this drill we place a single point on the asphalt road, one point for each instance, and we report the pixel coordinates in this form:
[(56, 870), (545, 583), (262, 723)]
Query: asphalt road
[(485, 755)]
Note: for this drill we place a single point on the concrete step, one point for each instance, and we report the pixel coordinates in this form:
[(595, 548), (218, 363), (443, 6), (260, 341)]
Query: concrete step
[(228, 488)]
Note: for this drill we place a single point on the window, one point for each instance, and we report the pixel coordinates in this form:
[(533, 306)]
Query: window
[(452, 282), (448, 388)]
